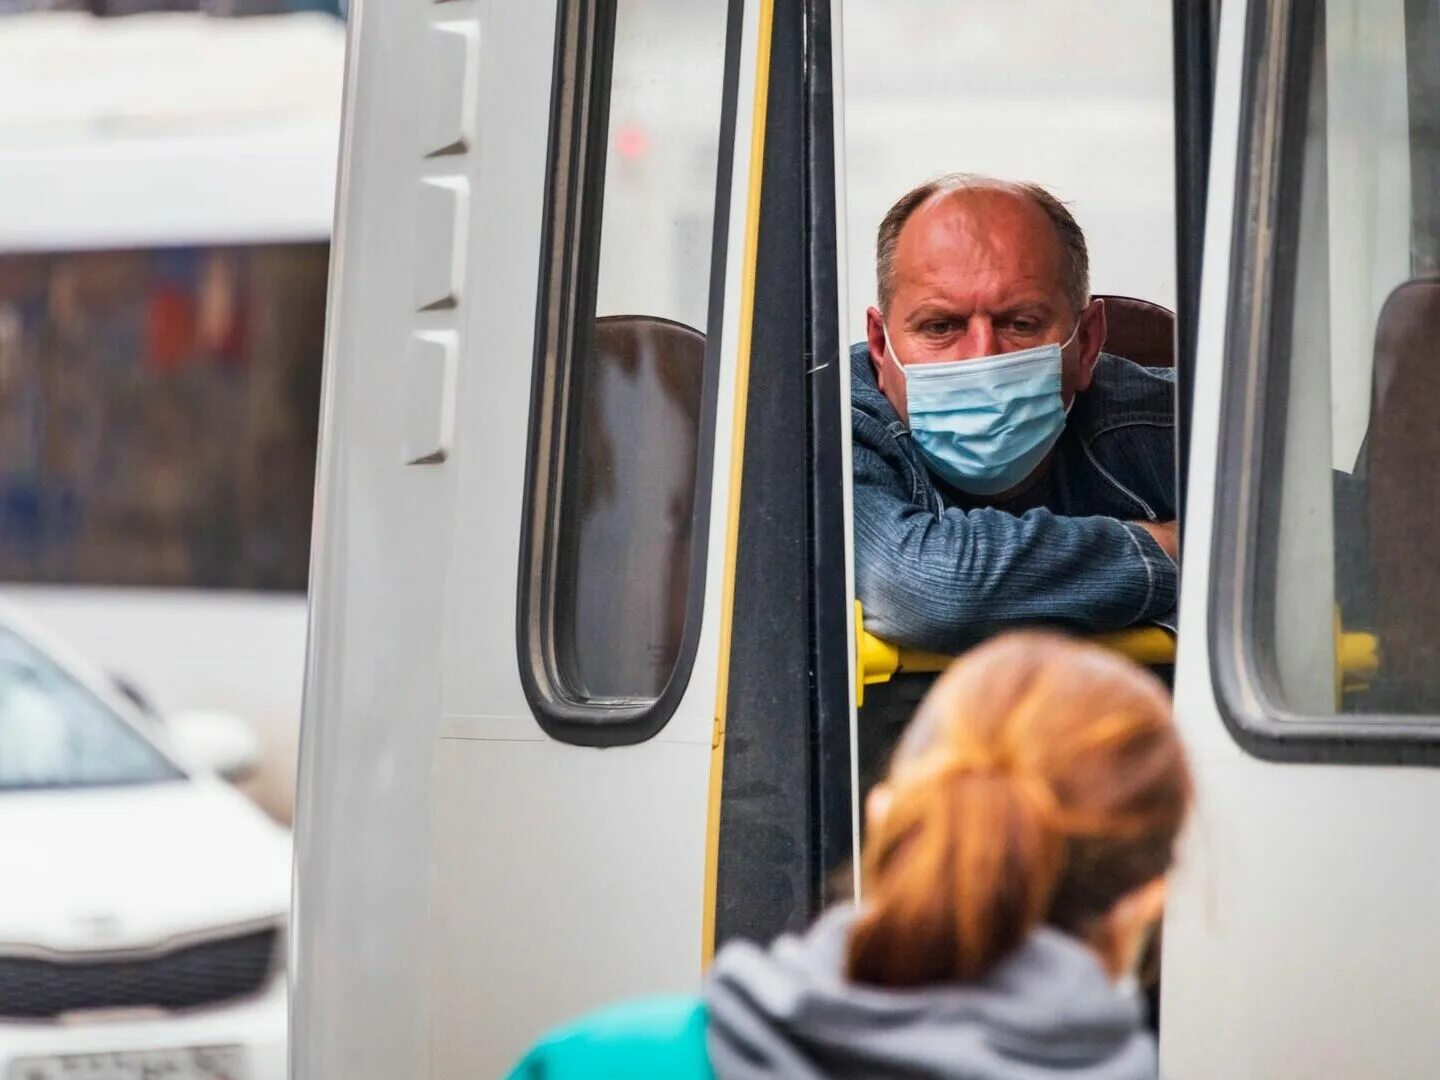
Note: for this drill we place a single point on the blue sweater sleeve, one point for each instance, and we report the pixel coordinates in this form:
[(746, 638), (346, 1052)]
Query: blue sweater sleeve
[(943, 579)]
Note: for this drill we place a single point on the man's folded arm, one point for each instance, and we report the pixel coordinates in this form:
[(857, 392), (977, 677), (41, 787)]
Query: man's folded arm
[(942, 581)]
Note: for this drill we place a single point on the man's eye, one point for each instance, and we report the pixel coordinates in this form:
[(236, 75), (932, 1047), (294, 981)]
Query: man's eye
[(1025, 326), (939, 327)]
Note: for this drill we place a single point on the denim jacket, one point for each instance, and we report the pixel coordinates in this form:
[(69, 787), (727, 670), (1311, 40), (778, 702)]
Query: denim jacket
[(937, 569)]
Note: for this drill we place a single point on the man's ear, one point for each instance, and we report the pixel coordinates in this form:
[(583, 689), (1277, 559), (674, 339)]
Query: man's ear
[(1091, 339), (875, 338), (888, 375)]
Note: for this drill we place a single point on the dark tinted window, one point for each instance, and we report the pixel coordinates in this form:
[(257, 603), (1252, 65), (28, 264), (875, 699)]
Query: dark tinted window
[(158, 415)]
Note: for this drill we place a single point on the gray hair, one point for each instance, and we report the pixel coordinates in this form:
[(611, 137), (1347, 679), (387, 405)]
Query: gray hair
[(1075, 258)]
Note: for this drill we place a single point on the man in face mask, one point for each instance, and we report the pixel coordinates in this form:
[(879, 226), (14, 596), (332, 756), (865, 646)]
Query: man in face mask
[(1007, 471)]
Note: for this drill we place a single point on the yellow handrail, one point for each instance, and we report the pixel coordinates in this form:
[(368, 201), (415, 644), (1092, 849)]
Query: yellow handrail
[(1357, 660), (1357, 655)]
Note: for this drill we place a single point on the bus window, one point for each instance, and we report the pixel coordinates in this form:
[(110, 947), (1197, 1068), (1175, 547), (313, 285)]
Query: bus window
[(158, 415), (615, 534), (1336, 582)]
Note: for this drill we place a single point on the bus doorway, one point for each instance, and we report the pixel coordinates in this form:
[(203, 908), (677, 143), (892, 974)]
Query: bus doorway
[(924, 98)]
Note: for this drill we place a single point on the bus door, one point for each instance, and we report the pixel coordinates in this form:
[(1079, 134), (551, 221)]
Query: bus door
[(571, 717), (1301, 923)]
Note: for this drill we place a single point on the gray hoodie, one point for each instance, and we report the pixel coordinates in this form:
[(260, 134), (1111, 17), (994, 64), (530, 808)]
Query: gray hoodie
[(1048, 1010)]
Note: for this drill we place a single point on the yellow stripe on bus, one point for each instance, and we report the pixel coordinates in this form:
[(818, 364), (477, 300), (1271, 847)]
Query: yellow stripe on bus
[(737, 463)]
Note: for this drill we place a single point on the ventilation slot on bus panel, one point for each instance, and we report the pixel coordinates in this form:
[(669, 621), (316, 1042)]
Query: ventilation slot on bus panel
[(446, 135)]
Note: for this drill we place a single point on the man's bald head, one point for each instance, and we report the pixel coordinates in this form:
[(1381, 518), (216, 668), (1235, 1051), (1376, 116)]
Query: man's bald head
[(971, 268), (1072, 257)]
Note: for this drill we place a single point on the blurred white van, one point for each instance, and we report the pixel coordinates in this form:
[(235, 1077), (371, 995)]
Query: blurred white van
[(166, 193)]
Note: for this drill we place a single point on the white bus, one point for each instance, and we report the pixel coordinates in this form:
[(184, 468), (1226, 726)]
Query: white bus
[(166, 197), (586, 692)]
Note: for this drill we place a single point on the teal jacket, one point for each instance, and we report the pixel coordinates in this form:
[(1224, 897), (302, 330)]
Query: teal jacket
[(660, 1037), (1047, 1011)]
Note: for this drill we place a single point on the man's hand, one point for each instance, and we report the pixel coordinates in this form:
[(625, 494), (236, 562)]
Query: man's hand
[(1166, 534)]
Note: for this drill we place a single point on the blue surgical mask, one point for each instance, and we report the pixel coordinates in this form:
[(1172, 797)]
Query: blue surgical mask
[(984, 425)]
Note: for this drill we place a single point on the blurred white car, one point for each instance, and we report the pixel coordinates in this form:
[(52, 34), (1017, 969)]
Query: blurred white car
[(142, 900)]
